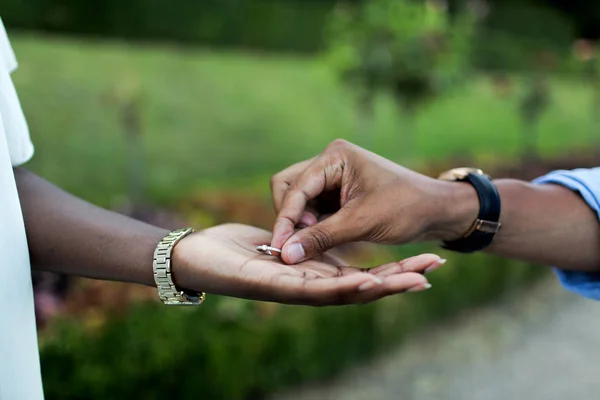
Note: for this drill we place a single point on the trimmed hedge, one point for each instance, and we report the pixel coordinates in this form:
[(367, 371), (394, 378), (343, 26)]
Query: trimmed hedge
[(507, 41), (266, 24), (238, 350)]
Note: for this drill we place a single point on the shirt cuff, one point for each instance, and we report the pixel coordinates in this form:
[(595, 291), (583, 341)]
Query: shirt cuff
[(586, 182)]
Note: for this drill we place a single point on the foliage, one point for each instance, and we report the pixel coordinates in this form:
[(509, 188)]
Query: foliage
[(511, 38), (236, 350), (586, 61), (289, 25), (411, 49)]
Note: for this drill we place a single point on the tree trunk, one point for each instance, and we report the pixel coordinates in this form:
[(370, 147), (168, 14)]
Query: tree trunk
[(592, 77), (366, 115), (130, 114), (408, 131), (529, 143)]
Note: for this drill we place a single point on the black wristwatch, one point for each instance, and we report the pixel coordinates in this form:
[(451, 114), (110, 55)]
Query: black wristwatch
[(487, 224)]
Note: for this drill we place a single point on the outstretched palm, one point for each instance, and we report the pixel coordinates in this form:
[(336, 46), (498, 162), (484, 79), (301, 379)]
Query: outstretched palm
[(223, 260)]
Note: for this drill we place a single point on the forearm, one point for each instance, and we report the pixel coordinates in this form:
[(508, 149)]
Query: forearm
[(69, 235), (546, 224)]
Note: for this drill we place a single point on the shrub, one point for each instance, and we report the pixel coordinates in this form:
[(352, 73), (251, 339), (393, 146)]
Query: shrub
[(237, 350), (411, 50)]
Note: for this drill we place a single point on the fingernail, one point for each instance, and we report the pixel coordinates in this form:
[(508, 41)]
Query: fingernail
[(420, 288), (295, 253), (370, 284), (435, 265)]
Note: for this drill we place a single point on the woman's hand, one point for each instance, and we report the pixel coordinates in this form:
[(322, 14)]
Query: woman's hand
[(223, 260), (349, 194)]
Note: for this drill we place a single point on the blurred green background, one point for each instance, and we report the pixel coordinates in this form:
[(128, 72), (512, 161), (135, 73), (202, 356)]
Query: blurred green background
[(179, 112)]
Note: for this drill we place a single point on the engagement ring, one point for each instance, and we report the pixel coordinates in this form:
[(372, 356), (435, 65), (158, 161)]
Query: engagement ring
[(268, 250)]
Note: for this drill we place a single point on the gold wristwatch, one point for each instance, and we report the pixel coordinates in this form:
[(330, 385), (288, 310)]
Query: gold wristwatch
[(168, 293), (484, 228)]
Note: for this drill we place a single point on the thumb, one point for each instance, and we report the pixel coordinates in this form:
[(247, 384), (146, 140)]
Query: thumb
[(316, 239)]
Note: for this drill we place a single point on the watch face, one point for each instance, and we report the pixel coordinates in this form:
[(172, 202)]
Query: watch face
[(458, 174), (186, 298), (193, 297)]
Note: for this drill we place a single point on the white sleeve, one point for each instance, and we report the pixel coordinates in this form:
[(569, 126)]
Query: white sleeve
[(11, 114), (6, 51)]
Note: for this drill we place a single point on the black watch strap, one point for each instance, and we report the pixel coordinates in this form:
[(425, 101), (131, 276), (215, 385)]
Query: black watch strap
[(486, 226)]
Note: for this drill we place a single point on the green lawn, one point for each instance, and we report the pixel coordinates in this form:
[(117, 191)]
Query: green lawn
[(214, 118)]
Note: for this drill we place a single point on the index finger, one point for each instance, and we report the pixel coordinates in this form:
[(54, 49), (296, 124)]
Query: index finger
[(322, 174), (281, 182)]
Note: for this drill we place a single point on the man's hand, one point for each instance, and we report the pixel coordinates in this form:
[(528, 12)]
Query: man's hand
[(223, 260), (357, 196)]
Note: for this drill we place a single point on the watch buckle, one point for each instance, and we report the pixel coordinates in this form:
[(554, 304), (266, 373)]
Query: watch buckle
[(484, 226), (459, 174)]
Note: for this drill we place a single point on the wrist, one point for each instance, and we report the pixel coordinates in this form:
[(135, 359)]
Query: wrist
[(169, 292), (457, 208), (135, 254), (185, 270), (147, 245)]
